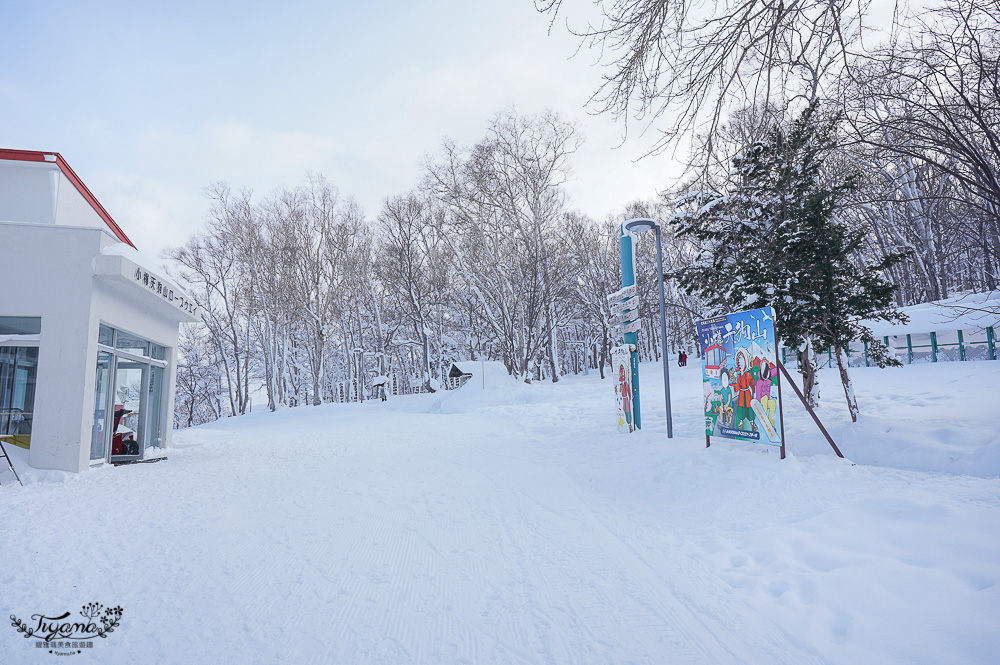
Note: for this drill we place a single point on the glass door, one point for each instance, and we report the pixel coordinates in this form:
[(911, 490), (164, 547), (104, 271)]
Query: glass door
[(128, 398), (155, 438), (128, 430), (99, 435)]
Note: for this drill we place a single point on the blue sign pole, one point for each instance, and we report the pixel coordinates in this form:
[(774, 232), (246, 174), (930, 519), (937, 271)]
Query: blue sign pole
[(628, 279)]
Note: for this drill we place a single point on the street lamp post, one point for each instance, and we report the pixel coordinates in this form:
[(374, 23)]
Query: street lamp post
[(638, 226)]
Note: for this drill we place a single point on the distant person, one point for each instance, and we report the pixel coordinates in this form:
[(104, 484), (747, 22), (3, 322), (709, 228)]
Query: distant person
[(682, 359)]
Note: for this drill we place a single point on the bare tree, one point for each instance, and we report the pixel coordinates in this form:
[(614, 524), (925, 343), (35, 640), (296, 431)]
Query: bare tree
[(502, 198), (689, 64), (933, 98), (412, 267), (212, 266), (199, 380), (593, 251)]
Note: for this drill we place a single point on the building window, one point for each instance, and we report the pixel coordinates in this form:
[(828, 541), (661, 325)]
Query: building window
[(128, 397), (20, 326), (18, 369), (19, 337), (131, 344), (106, 336)]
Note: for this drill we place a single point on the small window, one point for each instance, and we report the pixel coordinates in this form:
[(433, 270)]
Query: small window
[(20, 325), (131, 344), (106, 336), (157, 352)]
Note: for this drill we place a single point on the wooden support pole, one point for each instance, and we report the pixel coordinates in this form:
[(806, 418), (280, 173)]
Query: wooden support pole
[(781, 416), (810, 410)]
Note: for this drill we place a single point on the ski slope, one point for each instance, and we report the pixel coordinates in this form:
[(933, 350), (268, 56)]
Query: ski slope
[(514, 524)]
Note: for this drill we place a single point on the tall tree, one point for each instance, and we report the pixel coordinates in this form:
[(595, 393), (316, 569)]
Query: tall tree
[(503, 198), (777, 238), (932, 97), (412, 267)]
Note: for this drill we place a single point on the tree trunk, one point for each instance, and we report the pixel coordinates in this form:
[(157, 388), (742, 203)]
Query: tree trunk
[(845, 379), (808, 370), (604, 350), (553, 348)]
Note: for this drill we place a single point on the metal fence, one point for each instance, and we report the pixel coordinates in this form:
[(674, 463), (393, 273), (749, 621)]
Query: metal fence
[(914, 348)]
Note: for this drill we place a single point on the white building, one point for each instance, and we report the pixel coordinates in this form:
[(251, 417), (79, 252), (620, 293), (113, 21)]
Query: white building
[(88, 329)]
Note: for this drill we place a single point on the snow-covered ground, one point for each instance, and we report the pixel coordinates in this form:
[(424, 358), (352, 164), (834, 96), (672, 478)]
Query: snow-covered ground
[(516, 525)]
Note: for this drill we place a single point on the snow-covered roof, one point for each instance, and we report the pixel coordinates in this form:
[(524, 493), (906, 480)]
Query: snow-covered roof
[(965, 312), (493, 371)]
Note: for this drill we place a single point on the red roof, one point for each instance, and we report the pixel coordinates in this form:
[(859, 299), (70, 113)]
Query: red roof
[(55, 157)]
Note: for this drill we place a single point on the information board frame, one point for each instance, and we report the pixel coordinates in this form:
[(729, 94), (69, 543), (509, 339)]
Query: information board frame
[(741, 381)]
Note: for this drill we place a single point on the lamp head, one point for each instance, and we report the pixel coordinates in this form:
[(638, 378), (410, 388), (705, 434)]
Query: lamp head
[(640, 225)]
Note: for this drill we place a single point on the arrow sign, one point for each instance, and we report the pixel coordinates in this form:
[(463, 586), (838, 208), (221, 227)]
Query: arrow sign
[(625, 317), (631, 327), (622, 293), (631, 303), (622, 349)]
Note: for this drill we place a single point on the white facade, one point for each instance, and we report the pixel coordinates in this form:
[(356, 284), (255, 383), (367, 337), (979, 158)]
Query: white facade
[(65, 262)]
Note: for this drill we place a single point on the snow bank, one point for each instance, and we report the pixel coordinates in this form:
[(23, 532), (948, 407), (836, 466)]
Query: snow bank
[(964, 312), (516, 525)]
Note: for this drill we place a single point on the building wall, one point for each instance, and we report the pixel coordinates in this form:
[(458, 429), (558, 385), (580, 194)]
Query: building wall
[(119, 308), (28, 192), (49, 274), (72, 209), (39, 193), (53, 267)]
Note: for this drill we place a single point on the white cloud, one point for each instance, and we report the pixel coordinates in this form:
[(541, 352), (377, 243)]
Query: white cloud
[(160, 202), (370, 147)]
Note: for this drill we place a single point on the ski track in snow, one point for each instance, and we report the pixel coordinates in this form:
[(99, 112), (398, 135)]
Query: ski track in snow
[(523, 530)]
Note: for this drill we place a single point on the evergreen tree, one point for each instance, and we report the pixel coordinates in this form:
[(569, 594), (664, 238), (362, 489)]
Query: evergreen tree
[(776, 238)]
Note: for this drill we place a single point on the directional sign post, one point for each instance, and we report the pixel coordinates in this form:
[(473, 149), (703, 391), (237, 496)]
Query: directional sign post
[(629, 327), (624, 317), (624, 305), (622, 294)]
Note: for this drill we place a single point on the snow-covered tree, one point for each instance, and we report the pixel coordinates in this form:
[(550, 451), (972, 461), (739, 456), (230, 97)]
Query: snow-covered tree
[(503, 198), (776, 237), (212, 269), (412, 268)]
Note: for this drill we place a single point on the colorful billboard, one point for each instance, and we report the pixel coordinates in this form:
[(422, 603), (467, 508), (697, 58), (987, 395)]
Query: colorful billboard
[(621, 360), (740, 376)]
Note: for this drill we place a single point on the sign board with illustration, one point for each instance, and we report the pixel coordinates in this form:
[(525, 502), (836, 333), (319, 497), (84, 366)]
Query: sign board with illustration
[(623, 305), (624, 398), (740, 376)]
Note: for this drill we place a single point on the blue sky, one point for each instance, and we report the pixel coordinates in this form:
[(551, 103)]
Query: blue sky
[(152, 101)]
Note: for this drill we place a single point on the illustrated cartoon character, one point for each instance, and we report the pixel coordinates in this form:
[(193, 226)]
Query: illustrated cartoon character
[(745, 385), (763, 389), (726, 399), (624, 396)]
